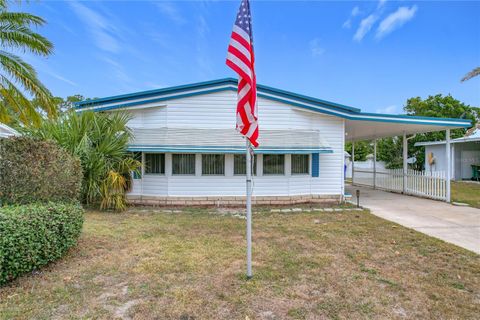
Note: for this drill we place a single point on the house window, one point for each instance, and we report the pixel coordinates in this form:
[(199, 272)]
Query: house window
[(183, 164), (155, 163), (299, 163), (213, 164), (240, 164), (273, 164), (137, 156)]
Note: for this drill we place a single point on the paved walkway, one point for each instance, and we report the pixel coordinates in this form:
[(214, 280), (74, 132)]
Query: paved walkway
[(454, 224)]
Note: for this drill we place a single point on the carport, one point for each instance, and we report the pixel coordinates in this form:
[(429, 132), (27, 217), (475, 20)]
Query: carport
[(372, 126)]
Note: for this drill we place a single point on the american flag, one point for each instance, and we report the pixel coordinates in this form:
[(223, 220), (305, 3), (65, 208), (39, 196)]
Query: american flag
[(241, 59)]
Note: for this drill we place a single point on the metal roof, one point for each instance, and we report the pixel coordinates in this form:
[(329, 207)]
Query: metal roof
[(359, 125)]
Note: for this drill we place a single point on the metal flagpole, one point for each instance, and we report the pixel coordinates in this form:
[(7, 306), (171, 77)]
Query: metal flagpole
[(249, 210)]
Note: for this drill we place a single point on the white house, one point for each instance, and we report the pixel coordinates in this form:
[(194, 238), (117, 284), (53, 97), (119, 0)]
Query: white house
[(191, 153), (6, 131), (465, 152)]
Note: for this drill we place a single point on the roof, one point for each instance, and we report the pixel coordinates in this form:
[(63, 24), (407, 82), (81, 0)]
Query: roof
[(472, 136), (6, 131), (156, 97)]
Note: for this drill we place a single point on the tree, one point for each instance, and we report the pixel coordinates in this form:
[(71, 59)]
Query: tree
[(18, 79), (100, 140), (475, 72), (362, 149), (390, 150), (442, 107)]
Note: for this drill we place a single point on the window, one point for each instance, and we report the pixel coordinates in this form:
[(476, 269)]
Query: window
[(273, 164), (240, 164), (183, 164), (299, 163), (213, 164), (155, 163)]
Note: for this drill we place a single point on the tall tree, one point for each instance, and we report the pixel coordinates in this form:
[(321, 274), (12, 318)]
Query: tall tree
[(18, 79), (442, 107)]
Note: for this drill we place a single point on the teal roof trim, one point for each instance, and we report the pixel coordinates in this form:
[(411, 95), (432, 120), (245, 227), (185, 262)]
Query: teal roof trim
[(149, 93), (96, 103), (301, 101)]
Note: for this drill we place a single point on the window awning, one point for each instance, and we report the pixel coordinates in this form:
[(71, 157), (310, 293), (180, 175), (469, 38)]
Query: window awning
[(198, 140)]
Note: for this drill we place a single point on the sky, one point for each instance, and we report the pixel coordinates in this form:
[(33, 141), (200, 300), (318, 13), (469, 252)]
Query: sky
[(371, 55)]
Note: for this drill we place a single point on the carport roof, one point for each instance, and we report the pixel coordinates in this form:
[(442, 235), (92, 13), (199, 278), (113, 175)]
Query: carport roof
[(379, 126)]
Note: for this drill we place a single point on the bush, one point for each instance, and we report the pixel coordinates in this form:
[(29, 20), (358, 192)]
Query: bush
[(37, 171), (36, 234)]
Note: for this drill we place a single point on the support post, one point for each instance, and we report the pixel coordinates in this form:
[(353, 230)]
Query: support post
[(449, 163), (353, 162), (249, 209), (405, 165), (374, 163)]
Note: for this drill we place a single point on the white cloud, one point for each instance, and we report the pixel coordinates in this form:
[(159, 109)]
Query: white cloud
[(390, 109), (44, 66), (381, 3), (355, 12), (315, 47), (365, 25), (117, 70), (102, 30), (203, 56), (171, 11), (63, 79), (395, 20)]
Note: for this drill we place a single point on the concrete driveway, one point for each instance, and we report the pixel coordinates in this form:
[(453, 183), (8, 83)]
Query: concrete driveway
[(454, 224)]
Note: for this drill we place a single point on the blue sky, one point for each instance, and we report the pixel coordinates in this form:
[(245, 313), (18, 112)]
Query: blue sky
[(368, 54)]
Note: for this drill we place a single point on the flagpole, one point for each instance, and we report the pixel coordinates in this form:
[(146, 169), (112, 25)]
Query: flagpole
[(249, 210)]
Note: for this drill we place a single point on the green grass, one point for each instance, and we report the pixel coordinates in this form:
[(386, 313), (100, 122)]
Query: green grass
[(467, 193), (147, 264)]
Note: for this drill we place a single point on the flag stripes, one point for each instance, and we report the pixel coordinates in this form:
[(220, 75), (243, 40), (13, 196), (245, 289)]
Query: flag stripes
[(241, 59)]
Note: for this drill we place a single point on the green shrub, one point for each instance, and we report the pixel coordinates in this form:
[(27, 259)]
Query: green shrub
[(100, 140), (35, 234), (37, 171)]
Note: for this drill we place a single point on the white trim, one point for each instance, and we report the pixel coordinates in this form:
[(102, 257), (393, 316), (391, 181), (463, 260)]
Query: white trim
[(458, 140)]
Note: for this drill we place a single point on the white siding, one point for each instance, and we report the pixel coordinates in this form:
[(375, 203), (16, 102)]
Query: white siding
[(217, 110)]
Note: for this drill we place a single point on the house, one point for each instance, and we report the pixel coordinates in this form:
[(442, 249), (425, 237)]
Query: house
[(6, 131), (465, 152), (191, 153)]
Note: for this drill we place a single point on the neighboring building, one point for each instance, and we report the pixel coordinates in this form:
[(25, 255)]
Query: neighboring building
[(191, 153), (6, 131), (465, 152)]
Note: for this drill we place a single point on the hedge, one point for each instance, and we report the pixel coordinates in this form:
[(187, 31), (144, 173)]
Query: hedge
[(35, 234), (37, 171)]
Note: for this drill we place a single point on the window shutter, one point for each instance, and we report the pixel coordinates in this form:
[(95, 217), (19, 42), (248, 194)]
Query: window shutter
[(315, 165)]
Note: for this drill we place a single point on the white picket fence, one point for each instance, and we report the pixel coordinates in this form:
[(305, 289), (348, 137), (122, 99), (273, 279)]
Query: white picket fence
[(420, 183)]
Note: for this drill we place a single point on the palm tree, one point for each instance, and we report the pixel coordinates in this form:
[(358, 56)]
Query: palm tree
[(18, 79), (100, 140), (475, 72)]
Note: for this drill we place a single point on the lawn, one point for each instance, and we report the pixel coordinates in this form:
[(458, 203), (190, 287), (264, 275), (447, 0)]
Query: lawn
[(147, 264), (466, 192)]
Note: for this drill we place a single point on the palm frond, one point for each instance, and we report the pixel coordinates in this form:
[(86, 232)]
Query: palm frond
[(18, 79), (100, 141), (20, 19), (475, 72), (23, 38)]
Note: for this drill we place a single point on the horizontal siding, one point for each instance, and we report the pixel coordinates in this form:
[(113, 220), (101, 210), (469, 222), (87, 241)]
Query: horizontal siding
[(217, 110)]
